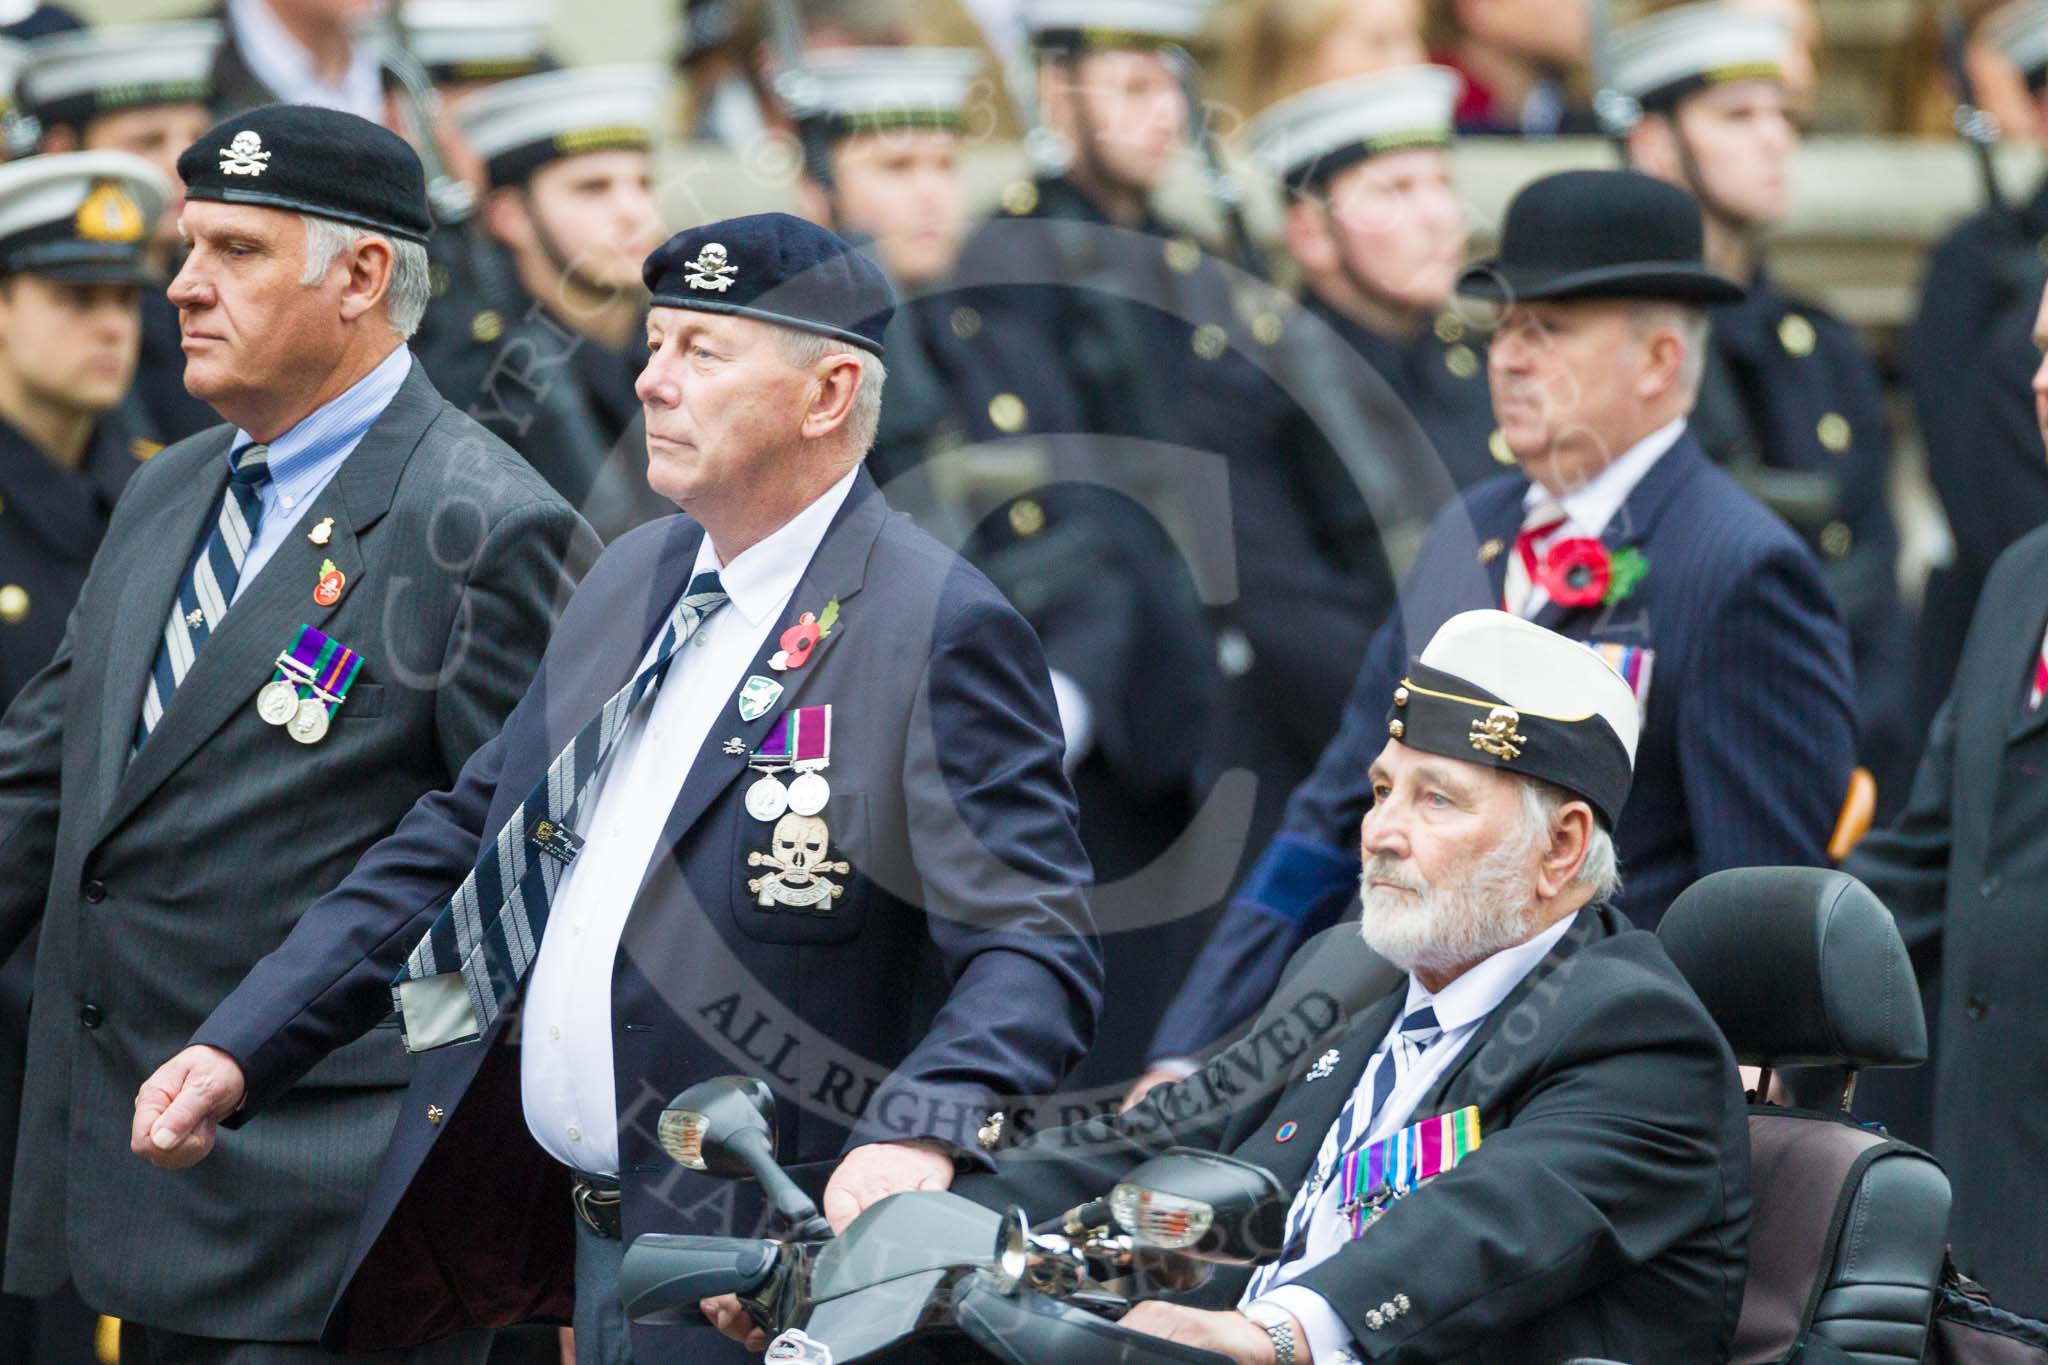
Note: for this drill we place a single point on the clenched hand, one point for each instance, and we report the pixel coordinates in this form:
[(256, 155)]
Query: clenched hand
[(179, 1107)]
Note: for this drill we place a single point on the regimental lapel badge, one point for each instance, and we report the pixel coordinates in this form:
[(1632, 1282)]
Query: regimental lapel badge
[(311, 682), (798, 855), (800, 639), (323, 532), (1325, 1066), (711, 270), (757, 694), (245, 155), (1490, 550), (735, 746)]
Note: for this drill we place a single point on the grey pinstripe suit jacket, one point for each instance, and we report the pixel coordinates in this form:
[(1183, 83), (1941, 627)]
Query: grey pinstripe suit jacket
[(159, 882)]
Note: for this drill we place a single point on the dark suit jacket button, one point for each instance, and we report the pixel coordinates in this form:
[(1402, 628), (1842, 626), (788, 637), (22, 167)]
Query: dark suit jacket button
[(90, 1016), (1989, 886), (95, 892), (1977, 1007)]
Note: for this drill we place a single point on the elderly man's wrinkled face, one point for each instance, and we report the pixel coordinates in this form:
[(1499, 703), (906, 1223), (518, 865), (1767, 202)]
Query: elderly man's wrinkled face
[(246, 323), (1450, 862), (1564, 379), (724, 405)]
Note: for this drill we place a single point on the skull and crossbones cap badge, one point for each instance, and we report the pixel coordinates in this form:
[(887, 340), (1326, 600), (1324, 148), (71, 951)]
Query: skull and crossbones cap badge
[(302, 159), (777, 268), (1493, 689)]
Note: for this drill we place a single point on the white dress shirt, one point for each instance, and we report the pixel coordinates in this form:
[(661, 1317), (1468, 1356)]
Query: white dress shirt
[(1590, 507), (287, 69), (1460, 1008), (565, 1061)]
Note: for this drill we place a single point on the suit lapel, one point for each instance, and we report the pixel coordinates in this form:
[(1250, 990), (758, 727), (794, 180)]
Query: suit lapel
[(240, 657), (1313, 1105), (2021, 679), (1631, 525), (837, 570)]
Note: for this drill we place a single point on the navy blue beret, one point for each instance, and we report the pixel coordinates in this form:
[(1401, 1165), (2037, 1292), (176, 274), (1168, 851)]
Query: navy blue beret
[(305, 159), (777, 268)]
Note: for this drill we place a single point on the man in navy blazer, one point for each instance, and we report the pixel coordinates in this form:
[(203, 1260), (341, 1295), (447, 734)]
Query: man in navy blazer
[(831, 845), (1617, 531)]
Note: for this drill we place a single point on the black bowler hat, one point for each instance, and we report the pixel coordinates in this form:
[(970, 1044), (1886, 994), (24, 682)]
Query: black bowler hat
[(304, 159), (1599, 235), (776, 268)]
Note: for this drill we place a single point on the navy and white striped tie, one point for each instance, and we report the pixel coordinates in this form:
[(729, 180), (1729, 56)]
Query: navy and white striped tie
[(1418, 1030), (491, 929), (209, 585)]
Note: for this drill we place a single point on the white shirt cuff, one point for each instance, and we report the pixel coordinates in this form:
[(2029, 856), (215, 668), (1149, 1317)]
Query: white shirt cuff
[(1327, 1338), (1077, 718), (1180, 1068)]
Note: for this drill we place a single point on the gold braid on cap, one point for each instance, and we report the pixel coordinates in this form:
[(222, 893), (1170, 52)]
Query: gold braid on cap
[(1497, 733)]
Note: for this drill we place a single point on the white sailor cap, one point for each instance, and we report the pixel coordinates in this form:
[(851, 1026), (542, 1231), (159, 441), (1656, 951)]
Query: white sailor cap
[(80, 216), (1307, 138), (871, 89), (518, 126), (71, 77), (2020, 31), (478, 40), (1502, 692), (1662, 59), (1074, 24)]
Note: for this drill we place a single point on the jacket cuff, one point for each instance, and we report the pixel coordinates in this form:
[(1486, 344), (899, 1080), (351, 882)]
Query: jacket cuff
[(962, 1118)]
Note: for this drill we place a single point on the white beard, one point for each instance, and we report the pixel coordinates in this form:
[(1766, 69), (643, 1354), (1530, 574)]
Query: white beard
[(1442, 929)]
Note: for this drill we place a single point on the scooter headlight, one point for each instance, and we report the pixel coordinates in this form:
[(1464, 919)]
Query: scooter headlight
[(1154, 1218), (681, 1132)]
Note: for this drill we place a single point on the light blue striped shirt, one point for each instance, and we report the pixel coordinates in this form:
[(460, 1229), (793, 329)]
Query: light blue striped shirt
[(305, 459)]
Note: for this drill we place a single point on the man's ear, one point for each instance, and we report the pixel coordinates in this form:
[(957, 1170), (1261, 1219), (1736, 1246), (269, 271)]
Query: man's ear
[(506, 218), (1307, 229), (1653, 148), (370, 264), (1667, 362), (60, 137), (838, 378), (1564, 853)]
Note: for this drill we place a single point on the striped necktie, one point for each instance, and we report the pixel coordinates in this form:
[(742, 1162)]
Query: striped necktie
[(1418, 1030), (491, 928), (209, 585)]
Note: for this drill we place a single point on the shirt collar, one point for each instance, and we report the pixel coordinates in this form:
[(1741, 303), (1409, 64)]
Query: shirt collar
[(762, 576), (335, 428), (1480, 990), (1593, 504), (276, 58)]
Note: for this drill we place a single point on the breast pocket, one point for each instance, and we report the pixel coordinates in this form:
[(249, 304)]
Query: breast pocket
[(797, 878)]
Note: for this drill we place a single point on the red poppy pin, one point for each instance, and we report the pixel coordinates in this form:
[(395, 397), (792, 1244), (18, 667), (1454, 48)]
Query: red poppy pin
[(800, 639), (1581, 572)]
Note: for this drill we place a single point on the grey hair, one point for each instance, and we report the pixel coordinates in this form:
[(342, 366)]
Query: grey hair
[(405, 302), (1600, 870), (1691, 326), (803, 349)]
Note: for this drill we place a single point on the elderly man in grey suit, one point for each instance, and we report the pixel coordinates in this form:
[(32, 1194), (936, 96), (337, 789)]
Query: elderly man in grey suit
[(299, 623)]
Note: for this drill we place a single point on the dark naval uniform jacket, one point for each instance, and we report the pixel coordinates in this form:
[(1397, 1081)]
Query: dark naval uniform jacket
[(1604, 1214), (557, 397), (956, 968), (51, 522), (1734, 646), (158, 882), (1792, 406), (1965, 869)]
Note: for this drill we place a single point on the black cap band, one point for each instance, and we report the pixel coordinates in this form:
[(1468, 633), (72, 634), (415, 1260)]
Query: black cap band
[(516, 165), (1445, 715)]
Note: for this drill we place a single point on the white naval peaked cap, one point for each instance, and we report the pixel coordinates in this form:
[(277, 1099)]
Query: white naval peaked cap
[(1117, 23), (83, 216), (883, 87), (519, 125), (478, 39), (2020, 31), (69, 77), (1666, 56), (1312, 135), (1535, 670)]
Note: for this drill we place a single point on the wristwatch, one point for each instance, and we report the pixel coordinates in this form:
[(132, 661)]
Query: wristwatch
[(1278, 1324)]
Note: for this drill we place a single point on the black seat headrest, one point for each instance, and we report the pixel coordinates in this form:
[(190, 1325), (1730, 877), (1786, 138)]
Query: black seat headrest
[(1800, 966)]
